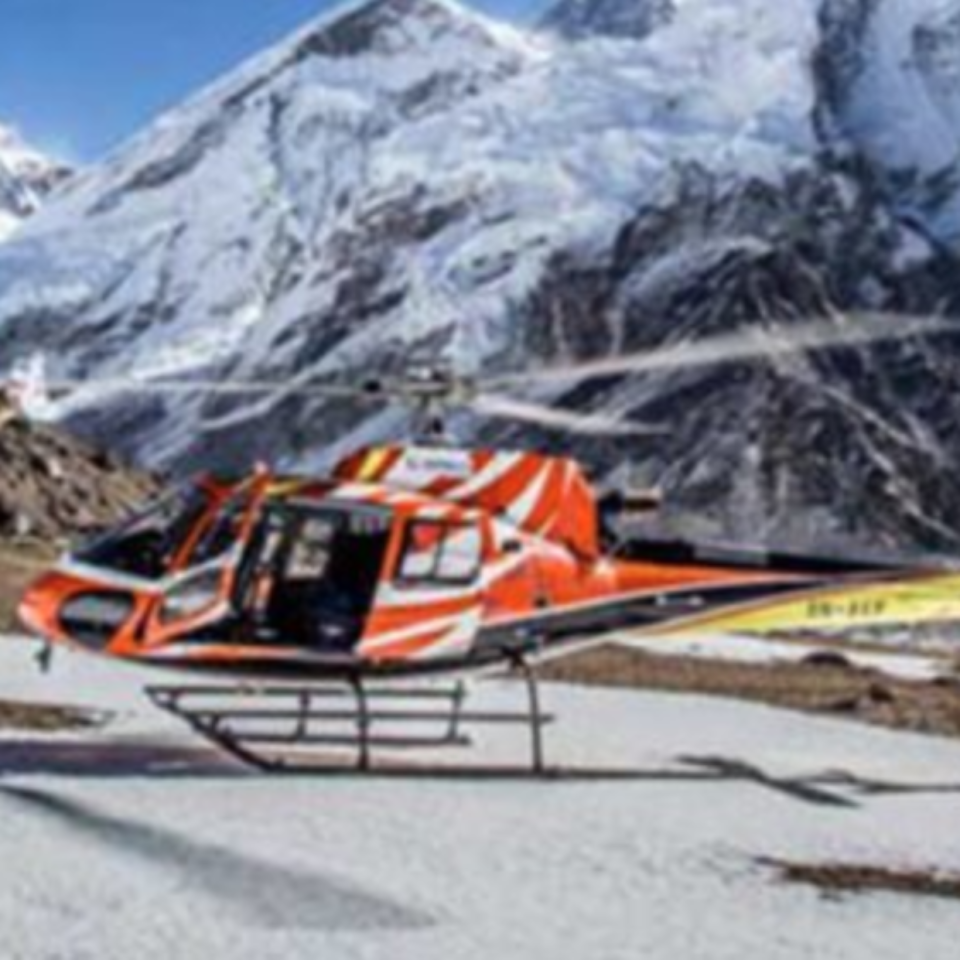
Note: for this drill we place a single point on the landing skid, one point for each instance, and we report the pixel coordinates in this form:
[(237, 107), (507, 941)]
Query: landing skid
[(352, 725)]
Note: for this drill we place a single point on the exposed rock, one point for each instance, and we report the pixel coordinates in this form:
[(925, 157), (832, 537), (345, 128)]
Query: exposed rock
[(636, 19), (53, 487), (409, 179)]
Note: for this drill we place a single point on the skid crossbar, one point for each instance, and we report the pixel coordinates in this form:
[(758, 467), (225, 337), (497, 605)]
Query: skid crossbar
[(253, 722)]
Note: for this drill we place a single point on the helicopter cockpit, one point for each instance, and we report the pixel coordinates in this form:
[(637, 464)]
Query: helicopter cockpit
[(301, 572), (147, 544), (262, 563)]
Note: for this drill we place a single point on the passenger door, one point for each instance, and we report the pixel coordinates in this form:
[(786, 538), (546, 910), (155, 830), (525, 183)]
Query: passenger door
[(202, 595), (431, 608)]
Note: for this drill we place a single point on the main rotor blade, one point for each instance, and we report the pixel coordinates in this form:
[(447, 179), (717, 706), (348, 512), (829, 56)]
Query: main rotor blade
[(506, 408), (254, 388), (752, 344)]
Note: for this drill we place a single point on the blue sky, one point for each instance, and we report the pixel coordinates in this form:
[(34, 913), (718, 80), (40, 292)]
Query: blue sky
[(77, 77)]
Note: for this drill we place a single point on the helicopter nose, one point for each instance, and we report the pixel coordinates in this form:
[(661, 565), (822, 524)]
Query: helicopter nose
[(36, 611), (60, 609)]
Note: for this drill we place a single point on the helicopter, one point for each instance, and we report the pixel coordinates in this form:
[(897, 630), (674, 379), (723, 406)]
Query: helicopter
[(431, 559)]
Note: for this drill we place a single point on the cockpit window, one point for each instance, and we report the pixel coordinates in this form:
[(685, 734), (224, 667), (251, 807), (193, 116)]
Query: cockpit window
[(146, 543), (441, 552)]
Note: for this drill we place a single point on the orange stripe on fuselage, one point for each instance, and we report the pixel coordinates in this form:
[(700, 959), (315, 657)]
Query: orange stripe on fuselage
[(549, 503), (633, 575), (503, 491)]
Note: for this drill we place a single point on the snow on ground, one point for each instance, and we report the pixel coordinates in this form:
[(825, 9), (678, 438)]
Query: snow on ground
[(208, 861)]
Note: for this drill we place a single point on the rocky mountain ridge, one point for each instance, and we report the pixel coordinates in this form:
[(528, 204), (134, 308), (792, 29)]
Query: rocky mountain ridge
[(409, 179), (53, 487)]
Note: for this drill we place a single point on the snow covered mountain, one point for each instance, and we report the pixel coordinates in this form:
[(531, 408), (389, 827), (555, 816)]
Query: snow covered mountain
[(581, 19), (26, 177), (408, 179)]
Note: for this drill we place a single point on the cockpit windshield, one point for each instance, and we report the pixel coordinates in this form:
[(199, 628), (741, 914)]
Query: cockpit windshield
[(146, 544)]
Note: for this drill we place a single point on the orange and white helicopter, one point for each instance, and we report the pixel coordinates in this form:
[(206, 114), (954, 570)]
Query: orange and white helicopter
[(429, 558)]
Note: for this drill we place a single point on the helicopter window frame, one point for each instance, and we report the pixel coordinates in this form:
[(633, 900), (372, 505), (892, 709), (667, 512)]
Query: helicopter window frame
[(434, 571), (167, 518)]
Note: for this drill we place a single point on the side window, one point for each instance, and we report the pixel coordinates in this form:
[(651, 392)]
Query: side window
[(440, 552), (421, 551), (460, 557)]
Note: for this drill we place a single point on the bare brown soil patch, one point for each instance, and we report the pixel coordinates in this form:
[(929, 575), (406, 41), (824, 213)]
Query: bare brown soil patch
[(20, 564), (826, 685), (44, 719), (835, 879), (53, 488)]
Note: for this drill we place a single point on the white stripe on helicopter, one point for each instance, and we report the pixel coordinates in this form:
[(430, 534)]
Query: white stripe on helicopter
[(524, 507), (411, 632), (502, 465)]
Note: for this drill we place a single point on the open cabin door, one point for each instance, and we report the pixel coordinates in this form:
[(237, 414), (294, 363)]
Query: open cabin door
[(312, 574), (202, 596)]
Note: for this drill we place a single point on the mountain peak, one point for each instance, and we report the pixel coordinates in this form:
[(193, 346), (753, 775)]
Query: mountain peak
[(627, 19), (26, 177), (388, 27)]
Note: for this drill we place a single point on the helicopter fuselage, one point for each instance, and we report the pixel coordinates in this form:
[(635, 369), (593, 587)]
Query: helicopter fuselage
[(408, 559)]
